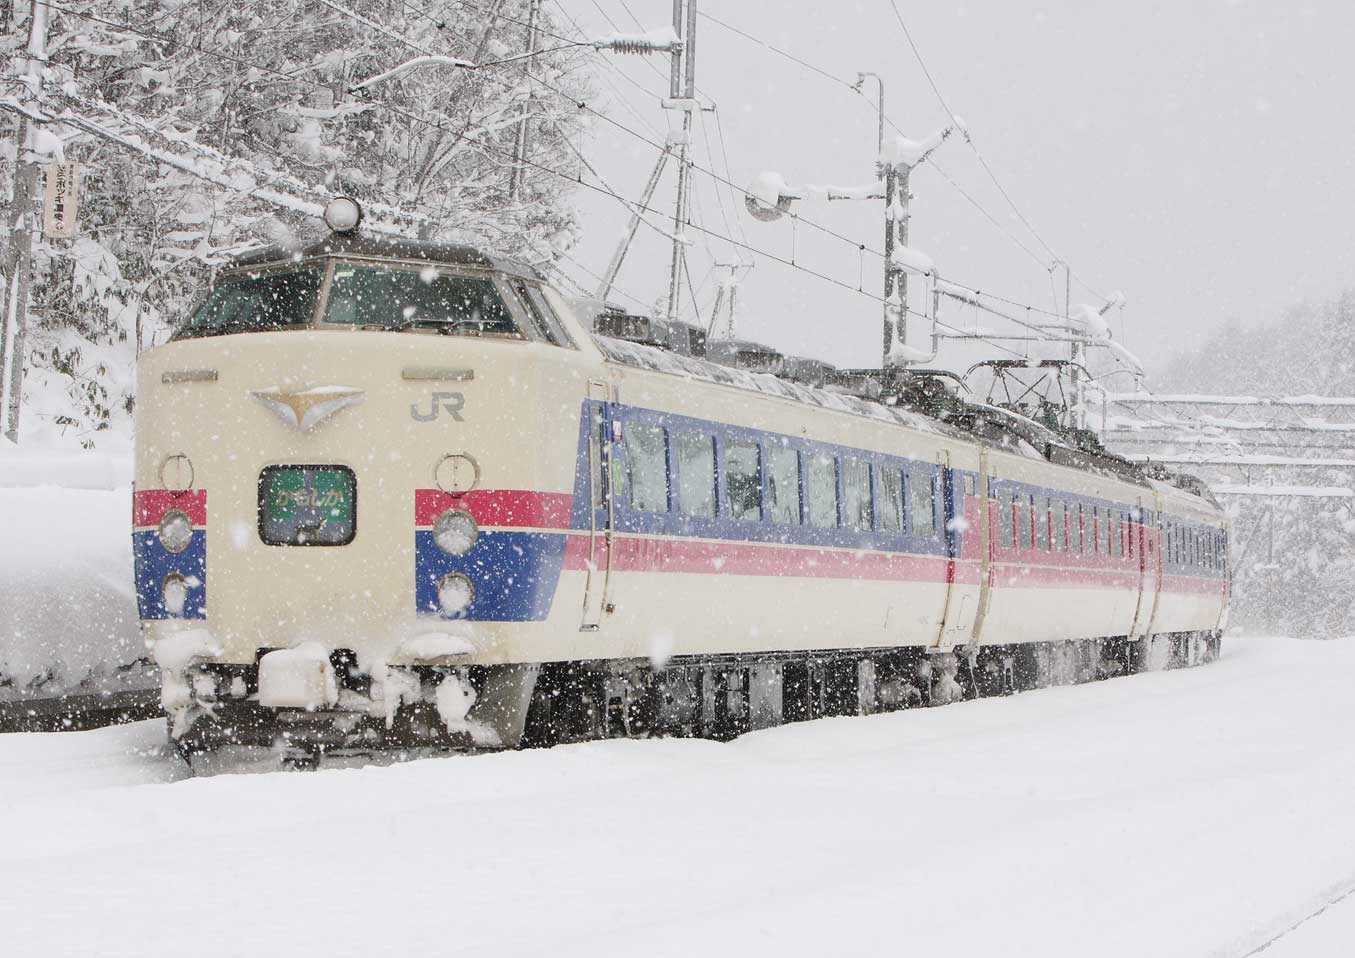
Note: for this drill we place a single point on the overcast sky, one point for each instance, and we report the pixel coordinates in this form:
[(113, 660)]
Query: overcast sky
[(1195, 154)]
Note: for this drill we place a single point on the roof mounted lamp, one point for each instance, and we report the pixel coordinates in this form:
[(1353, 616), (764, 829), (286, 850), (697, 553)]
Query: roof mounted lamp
[(343, 214)]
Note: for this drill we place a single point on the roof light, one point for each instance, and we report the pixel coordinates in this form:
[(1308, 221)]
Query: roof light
[(343, 214)]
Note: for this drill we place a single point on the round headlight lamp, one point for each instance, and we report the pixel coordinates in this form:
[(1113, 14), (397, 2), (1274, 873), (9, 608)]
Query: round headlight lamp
[(455, 592), (343, 214), (176, 531), (455, 532)]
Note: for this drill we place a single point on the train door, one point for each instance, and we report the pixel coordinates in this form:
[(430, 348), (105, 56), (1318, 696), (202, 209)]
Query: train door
[(989, 526), (1149, 566), (602, 427), (957, 619)]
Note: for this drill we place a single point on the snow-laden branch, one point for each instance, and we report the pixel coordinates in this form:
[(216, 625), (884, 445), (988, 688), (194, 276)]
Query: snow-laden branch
[(232, 173), (409, 65)]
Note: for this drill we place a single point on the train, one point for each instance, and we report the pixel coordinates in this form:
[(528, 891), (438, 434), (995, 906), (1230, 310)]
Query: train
[(393, 493)]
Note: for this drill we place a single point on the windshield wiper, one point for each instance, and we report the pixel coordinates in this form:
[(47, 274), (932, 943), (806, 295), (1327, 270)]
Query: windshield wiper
[(444, 326)]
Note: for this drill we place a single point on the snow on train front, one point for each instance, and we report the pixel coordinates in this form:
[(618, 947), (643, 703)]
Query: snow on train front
[(339, 458)]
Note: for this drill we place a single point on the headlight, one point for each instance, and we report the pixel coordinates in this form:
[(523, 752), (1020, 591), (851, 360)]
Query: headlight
[(175, 590), (176, 530), (455, 592), (454, 532), (343, 214)]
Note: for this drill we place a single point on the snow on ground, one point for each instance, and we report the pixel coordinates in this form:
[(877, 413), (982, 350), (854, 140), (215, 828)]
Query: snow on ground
[(1192, 813), (67, 600)]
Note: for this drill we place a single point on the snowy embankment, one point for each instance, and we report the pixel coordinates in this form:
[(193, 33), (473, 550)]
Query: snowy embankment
[(1191, 813), (67, 603)]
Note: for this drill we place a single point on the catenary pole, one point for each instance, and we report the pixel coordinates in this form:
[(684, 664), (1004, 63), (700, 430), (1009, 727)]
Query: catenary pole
[(682, 90), (18, 259), (522, 142)]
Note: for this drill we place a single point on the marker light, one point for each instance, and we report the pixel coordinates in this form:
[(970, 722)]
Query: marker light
[(455, 592), (175, 591), (455, 531), (176, 530), (343, 214)]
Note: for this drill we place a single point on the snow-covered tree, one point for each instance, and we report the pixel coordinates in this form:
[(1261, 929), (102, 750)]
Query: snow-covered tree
[(1302, 583), (205, 127)]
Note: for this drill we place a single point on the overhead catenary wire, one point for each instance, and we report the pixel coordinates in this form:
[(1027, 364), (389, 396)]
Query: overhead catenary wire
[(484, 146), (978, 154), (161, 37)]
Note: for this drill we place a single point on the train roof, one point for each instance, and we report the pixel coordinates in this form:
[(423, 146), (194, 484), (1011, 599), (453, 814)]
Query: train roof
[(987, 425), (386, 247)]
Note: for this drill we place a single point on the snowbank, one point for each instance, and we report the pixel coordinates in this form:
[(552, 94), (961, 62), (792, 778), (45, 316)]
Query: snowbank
[(1183, 813), (67, 602)]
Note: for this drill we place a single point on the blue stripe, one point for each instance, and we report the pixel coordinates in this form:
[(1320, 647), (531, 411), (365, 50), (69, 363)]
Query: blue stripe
[(514, 574), (723, 525), (152, 562)]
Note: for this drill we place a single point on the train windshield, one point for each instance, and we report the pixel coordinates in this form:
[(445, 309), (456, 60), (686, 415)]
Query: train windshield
[(256, 303), (426, 298)]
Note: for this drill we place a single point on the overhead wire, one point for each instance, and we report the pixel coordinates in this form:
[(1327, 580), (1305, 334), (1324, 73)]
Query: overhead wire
[(978, 154), (484, 146)]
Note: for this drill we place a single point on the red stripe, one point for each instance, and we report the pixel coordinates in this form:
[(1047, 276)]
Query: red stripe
[(692, 556), (1061, 577), (1194, 585), (150, 505), (497, 507)]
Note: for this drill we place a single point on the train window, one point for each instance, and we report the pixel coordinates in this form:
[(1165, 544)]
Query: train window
[(254, 303), (596, 439), (1006, 523), (696, 474), (541, 315), (1058, 535), (743, 480), (889, 505), (1113, 541), (1080, 532), (391, 298), (1130, 532), (783, 484), (646, 467), (1042, 523), (856, 494), (822, 486), (1021, 505), (921, 504)]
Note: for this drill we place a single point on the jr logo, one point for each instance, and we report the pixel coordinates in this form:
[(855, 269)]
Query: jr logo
[(451, 403)]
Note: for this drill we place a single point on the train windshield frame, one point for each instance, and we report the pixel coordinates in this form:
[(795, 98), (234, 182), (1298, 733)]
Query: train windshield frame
[(257, 301), (361, 293)]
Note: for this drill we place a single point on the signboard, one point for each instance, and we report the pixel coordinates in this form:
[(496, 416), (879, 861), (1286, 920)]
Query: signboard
[(59, 210)]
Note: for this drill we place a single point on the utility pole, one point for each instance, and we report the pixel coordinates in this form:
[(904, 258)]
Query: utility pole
[(18, 258), (682, 96), (1077, 352), (893, 275), (521, 142)]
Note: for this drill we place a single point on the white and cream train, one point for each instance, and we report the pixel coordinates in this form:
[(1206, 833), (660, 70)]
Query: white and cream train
[(396, 493)]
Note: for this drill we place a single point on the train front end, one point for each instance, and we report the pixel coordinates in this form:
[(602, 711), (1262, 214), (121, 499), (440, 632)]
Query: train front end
[(353, 498)]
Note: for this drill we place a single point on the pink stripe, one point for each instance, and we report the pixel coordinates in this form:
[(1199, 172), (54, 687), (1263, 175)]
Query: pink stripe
[(645, 554), (497, 507), (1046, 577), (150, 505)]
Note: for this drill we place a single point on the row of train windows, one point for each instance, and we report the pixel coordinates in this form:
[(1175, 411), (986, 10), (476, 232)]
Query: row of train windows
[(800, 489), (1202, 548), (1039, 522)]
